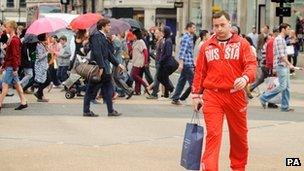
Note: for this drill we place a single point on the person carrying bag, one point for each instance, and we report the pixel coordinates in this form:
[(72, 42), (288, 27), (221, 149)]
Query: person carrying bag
[(192, 144)]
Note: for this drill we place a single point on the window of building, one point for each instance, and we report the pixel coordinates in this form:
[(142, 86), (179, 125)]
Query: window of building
[(23, 3), (10, 3)]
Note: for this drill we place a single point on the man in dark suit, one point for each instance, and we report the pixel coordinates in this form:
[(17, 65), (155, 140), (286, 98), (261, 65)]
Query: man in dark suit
[(101, 54)]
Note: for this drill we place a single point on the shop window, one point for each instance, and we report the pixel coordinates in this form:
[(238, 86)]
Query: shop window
[(22, 3), (10, 3)]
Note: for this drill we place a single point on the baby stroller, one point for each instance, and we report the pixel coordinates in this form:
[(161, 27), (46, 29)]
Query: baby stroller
[(75, 84)]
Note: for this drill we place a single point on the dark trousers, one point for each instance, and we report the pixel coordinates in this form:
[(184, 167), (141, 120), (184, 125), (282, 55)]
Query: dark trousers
[(294, 59), (29, 84), (42, 86), (186, 76), (186, 94), (106, 88), (264, 74), (119, 81), (53, 75), (62, 73), (163, 77), (156, 82), (148, 74), (136, 74)]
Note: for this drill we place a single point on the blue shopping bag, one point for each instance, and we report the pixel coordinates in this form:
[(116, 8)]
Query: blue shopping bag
[(192, 145)]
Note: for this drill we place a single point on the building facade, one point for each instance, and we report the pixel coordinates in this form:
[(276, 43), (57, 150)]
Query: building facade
[(13, 10), (244, 13)]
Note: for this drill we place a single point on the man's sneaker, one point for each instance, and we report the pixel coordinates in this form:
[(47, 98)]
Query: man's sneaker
[(176, 102), (152, 97), (90, 114), (272, 105), (263, 103), (10, 94), (21, 106), (114, 113), (287, 110)]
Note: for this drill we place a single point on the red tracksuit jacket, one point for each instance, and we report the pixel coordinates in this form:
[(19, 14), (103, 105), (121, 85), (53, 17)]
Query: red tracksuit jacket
[(218, 67)]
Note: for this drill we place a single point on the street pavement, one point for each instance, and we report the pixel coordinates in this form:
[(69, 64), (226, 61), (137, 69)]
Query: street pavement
[(149, 135)]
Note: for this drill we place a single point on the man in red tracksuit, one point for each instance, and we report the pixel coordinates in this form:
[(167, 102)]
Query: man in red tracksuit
[(225, 65)]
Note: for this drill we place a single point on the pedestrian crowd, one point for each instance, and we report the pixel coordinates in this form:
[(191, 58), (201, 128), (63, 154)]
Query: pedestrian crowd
[(219, 67), (33, 63)]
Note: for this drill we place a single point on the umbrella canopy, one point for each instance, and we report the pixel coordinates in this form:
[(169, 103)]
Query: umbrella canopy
[(68, 18), (30, 38), (46, 25), (85, 21), (133, 23), (64, 32), (117, 27)]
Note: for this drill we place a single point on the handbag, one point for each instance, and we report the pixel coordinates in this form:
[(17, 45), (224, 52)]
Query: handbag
[(89, 71), (193, 143), (273, 82)]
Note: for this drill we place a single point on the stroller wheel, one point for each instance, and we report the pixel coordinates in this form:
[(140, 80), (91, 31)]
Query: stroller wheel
[(69, 95)]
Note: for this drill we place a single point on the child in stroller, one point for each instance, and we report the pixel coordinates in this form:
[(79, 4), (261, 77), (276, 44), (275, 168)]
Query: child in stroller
[(74, 85)]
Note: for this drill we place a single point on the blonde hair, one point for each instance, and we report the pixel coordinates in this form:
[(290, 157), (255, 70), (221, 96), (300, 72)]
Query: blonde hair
[(12, 24), (20, 28)]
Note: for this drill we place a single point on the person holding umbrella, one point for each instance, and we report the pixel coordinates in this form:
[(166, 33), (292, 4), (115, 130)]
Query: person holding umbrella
[(11, 65), (100, 53), (42, 75)]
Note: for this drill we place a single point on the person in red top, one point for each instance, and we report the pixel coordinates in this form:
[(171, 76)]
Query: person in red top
[(269, 50), (11, 65), (225, 65)]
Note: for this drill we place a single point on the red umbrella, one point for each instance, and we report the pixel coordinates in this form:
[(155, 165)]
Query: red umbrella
[(85, 21)]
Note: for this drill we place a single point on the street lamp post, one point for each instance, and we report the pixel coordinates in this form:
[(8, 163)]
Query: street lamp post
[(93, 6)]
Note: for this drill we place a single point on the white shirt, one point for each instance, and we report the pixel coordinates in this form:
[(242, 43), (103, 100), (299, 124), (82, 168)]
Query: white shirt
[(254, 38)]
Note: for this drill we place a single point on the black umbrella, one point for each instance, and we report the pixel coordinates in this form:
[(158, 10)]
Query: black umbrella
[(30, 38), (117, 27)]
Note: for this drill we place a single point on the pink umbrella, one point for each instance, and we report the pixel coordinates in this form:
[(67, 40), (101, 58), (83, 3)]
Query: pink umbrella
[(46, 25)]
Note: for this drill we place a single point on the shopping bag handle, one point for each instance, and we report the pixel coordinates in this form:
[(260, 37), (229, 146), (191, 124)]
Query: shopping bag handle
[(195, 118)]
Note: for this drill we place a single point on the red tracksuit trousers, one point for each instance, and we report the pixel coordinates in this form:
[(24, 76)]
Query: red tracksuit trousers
[(234, 106)]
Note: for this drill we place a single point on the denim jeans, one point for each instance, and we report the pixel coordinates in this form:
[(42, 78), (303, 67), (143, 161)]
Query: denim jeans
[(186, 76), (28, 74), (8, 76), (156, 82), (284, 81)]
